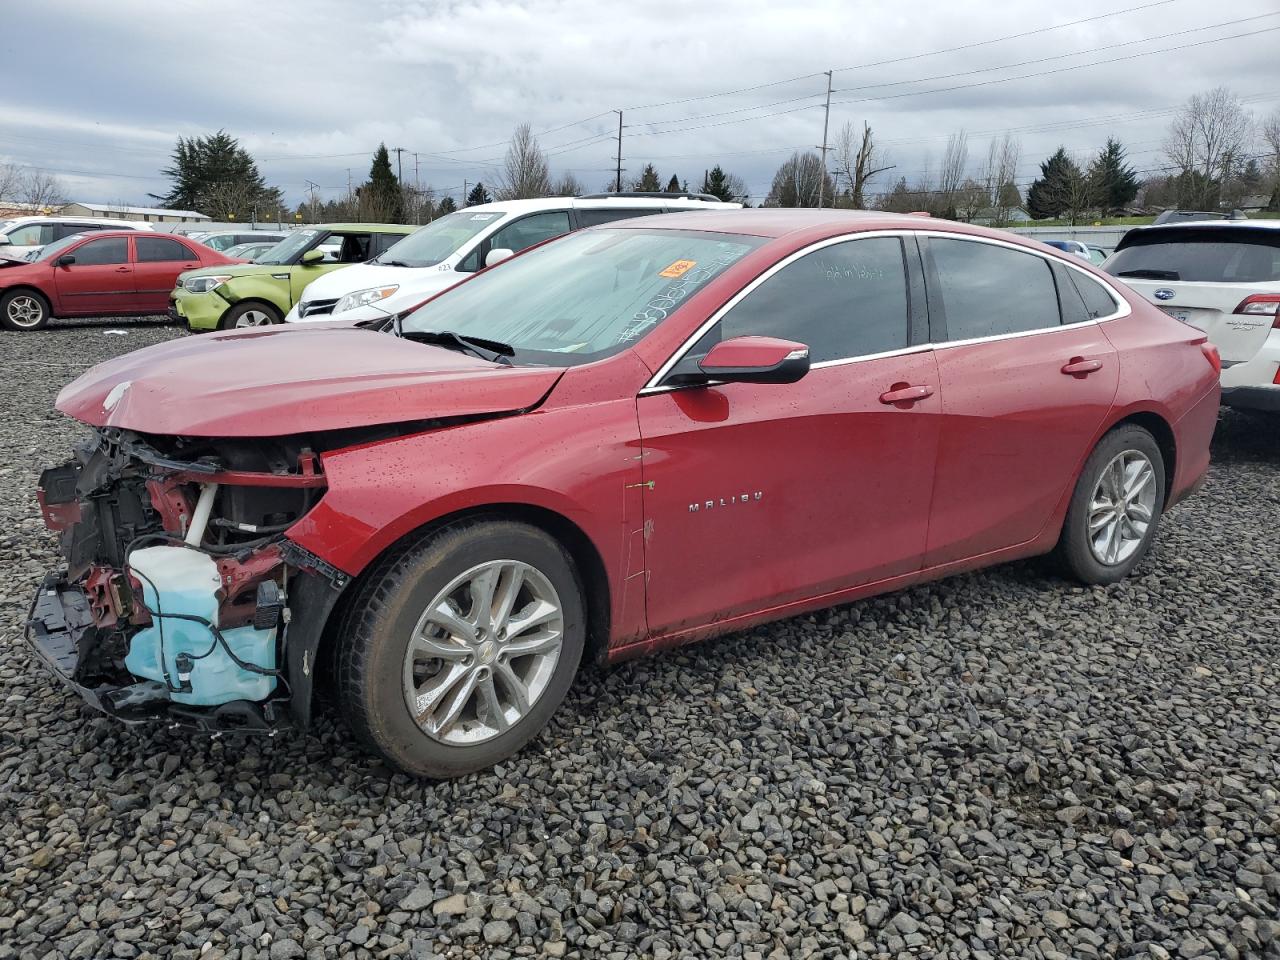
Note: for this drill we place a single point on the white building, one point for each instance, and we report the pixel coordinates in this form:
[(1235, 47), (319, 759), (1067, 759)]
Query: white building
[(120, 212)]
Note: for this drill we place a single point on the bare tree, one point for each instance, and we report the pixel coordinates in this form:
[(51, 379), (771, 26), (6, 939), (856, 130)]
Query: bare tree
[(970, 200), (1270, 129), (10, 182), (998, 175), (955, 161), (525, 174), (567, 185), (42, 190), (417, 202), (857, 163), (737, 187), (800, 181), (1206, 144)]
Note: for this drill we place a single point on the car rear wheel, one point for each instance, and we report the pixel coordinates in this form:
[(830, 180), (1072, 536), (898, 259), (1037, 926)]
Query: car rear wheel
[(458, 649), (1116, 507), (23, 310), (249, 315)]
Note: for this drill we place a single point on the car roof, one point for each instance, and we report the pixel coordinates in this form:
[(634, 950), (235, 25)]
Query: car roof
[(370, 227), (776, 222), (1212, 225), (50, 218), (595, 203)]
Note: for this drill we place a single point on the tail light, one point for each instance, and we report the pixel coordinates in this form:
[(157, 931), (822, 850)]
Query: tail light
[(1261, 305), (1211, 354)]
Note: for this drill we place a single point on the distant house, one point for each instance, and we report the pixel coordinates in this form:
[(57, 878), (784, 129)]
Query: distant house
[(1252, 204), (118, 211), (987, 217)]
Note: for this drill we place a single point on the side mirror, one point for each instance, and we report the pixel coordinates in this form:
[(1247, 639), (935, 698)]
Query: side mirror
[(497, 255), (756, 360), (66, 260), (311, 256)]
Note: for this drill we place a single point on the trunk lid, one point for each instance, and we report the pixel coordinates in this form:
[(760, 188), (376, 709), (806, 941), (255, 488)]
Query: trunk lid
[(1210, 307)]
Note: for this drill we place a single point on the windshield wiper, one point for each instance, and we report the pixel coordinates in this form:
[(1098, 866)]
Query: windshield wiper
[(495, 351), (390, 263), (1150, 274)]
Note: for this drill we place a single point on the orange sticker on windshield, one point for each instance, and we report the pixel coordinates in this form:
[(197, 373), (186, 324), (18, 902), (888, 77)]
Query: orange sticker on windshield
[(678, 269)]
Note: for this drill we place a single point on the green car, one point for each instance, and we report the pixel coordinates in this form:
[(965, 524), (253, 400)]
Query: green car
[(254, 294)]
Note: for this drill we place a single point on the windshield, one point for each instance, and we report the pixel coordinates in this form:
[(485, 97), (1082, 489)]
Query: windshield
[(51, 250), (584, 296), (438, 240), (290, 246), (1224, 255)]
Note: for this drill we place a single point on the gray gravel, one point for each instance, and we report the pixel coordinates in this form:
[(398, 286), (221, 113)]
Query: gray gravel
[(999, 765)]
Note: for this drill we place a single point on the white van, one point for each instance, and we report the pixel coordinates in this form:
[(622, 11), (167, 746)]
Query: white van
[(448, 250), (22, 236)]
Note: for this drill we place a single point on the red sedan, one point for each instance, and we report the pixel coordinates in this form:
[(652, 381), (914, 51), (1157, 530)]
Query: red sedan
[(101, 274), (627, 439)]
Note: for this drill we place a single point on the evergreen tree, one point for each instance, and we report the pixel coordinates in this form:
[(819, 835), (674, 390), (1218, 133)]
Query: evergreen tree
[(380, 197), (1114, 182), (1050, 195), (478, 194), (649, 181), (716, 182), (446, 206), (673, 186), (216, 176)]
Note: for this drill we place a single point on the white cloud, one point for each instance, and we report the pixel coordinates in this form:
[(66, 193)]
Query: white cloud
[(303, 84)]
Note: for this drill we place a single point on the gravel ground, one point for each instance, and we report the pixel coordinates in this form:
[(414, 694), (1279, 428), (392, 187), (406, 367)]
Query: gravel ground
[(999, 765)]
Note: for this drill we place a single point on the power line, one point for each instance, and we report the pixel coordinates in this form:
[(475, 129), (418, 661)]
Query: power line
[(1060, 56), (1045, 73)]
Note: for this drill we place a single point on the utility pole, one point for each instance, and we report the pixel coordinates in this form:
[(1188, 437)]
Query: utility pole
[(826, 119), (400, 150), (313, 188), (617, 184), (465, 194)]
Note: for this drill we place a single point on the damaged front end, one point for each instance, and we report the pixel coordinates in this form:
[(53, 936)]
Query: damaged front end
[(181, 600)]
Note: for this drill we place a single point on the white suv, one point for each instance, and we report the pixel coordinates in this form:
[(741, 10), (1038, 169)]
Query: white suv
[(448, 250), (1222, 276), (22, 236)]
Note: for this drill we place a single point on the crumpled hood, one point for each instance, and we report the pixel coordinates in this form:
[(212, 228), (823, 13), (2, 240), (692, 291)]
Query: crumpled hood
[(289, 380)]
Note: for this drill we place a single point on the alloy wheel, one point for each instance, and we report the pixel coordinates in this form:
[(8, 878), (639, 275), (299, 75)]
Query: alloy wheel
[(253, 318), (1122, 507), (25, 311), (483, 652)]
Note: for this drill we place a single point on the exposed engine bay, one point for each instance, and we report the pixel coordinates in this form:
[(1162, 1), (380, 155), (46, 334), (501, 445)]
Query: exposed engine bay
[(176, 599)]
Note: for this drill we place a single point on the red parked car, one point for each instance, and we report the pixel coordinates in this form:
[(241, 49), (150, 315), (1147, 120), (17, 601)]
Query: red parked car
[(626, 439), (101, 274)]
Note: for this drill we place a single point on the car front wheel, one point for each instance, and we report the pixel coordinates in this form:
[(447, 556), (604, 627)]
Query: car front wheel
[(23, 310), (249, 315), (1116, 507), (458, 649)]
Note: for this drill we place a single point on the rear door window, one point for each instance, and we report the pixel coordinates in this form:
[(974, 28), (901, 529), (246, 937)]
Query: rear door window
[(1201, 255), (989, 290), (1097, 300), (160, 250), (32, 235)]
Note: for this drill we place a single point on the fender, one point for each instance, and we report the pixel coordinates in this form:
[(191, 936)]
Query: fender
[(580, 461)]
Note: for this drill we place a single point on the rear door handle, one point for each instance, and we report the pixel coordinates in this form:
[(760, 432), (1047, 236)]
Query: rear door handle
[(904, 393), (1079, 366), (122, 269)]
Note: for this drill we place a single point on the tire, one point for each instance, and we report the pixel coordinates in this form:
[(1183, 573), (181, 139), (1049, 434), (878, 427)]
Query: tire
[(378, 673), (1118, 542), (24, 310), (250, 313)]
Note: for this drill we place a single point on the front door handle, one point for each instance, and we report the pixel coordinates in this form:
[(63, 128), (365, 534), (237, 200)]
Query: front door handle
[(1080, 367), (122, 269), (905, 393)]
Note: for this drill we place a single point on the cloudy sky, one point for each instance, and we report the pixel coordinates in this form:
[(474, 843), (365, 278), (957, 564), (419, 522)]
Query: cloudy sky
[(98, 91)]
